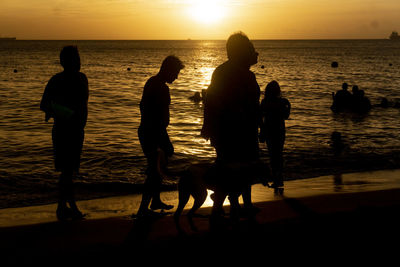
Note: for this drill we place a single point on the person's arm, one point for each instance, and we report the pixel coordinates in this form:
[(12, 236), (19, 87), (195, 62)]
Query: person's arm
[(207, 130), (161, 164), (45, 103), (287, 109), (262, 135), (85, 108)]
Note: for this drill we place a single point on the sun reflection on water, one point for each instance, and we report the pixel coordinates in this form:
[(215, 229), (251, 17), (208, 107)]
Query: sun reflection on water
[(185, 125), (209, 202), (204, 74)]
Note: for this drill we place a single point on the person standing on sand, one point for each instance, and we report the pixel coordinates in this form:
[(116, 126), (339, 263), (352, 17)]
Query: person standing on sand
[(65, 99), (153, 135), (275, 109), (231, 120)]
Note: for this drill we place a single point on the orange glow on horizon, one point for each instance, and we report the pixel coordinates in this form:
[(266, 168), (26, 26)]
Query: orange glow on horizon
[(198, 19)]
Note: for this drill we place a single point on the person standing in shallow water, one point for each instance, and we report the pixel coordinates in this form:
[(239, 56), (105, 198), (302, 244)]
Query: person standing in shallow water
[(275, 109), (65, 99), (153, 135), (342, 99)]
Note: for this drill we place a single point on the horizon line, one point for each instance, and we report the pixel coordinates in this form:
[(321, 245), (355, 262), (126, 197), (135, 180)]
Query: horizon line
[(189, 39)]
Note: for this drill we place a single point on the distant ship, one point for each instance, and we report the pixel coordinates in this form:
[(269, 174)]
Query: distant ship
[(7, 38), (394, 36)]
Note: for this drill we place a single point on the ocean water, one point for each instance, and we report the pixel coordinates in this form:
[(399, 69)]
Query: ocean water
[(112, 160)]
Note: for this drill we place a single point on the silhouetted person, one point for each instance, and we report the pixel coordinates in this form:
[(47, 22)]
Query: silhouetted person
[(65, 99), (196, 97), (360, 103), (337, 143), (231, 120), (355, 90), (153, 136), (364, 104), (384, 103), (342, 99), (275, 109)]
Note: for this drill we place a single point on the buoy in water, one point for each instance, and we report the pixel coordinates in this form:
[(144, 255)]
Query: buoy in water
[(334, 64), (15, 70)]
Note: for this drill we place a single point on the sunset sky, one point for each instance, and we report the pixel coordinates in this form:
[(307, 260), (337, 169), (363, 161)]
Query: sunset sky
[(198, 19)]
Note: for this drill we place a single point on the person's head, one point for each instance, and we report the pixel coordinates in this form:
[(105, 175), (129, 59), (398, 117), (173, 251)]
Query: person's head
[(355, 89), (170, 68), (241, 50), (345, 86), (272, 90), (70, 59)]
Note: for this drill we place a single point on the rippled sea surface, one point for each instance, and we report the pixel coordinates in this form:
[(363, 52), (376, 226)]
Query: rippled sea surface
[(112, 160)]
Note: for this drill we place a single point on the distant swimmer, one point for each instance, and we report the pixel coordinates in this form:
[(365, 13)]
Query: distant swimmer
[(342, 99), (360, 103), (337, 143), (196, 97), (203, 95), (357, 93), (386, 103)]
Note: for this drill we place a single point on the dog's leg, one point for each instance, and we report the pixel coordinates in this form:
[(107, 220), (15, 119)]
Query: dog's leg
[(234, 212), (216, 218), (199, 199)]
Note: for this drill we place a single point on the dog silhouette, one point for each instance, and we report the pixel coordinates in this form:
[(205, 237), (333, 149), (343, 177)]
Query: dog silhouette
[(197, 178)]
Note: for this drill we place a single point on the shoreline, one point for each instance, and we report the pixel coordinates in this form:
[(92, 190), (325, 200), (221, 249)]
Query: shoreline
[(88, 191), (126, 205), (340, 216)]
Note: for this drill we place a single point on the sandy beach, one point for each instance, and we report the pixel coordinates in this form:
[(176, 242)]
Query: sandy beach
[(341, 215)]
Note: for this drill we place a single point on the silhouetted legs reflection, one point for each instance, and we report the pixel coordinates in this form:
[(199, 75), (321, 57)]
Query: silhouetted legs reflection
[(338, 181)]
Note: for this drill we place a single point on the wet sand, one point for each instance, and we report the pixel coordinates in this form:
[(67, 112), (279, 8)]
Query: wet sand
[(336, 216)]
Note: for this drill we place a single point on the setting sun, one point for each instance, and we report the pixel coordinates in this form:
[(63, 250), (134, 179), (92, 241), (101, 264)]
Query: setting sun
[(207, 11)]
